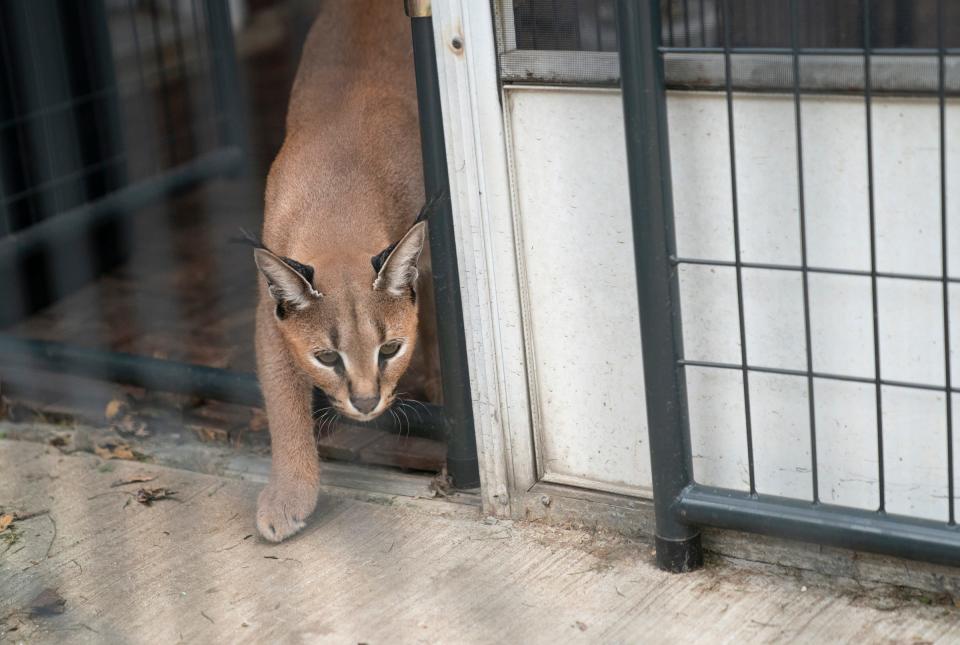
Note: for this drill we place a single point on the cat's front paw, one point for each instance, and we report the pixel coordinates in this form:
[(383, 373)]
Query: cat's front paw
[(283, 509)]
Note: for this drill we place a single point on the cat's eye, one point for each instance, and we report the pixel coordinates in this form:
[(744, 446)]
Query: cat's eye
[(389, 349), (328, 357)]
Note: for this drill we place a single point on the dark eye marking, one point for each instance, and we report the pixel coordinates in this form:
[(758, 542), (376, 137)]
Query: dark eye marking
[(328, 357), (389, 350)]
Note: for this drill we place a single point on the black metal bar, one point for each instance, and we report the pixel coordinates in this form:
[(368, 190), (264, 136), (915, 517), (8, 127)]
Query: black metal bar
[(173, 376), (801, 201), (648, 158), (703, 26), (847, 528), (462, 464), (738, 267), (873, 248), (824, 375), (59, 235), (945, 265), (825, 270), (813, 51), (165, 103), (144, 92), (226, 76), (130, 369), (669, 4)]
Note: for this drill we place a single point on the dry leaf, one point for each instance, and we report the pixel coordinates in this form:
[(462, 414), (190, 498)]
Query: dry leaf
[(59, 441), (208, 434), (136, 479), (114, 451), (131, 425), (149, 495), (115, 409), (5, 520)]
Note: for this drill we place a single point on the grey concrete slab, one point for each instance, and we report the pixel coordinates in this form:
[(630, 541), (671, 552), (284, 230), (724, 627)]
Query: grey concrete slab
[(97, 566)]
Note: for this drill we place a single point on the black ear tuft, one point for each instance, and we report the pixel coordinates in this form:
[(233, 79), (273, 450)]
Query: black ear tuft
[(431, 204), (303, 269), (246, 237), (381, 257)]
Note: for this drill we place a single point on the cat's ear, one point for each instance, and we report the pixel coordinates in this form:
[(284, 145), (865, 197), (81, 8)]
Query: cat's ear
[(287, 285), (399, 272)]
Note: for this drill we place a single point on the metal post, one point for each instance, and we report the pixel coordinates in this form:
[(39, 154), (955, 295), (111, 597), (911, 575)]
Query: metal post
[(648, 156), (226, 77), (462, 462)]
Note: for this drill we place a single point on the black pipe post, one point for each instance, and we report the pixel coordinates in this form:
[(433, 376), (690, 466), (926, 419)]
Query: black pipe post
[(648, 157), (462, 465)]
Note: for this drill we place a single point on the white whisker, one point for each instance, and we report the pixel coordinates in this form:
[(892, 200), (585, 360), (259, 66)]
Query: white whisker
[(401, 411)]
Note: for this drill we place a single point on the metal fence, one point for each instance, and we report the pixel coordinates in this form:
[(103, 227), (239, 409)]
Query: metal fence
[(107, 108), (682, 504), (89, 130)]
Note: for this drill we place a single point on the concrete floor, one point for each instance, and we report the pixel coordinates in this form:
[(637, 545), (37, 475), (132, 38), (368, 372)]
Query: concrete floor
[(97, 566)]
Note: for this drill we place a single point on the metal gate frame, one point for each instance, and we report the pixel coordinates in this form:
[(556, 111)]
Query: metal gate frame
[(453, 421), (681, 504)]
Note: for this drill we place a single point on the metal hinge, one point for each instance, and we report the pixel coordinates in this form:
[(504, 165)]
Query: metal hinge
[(417, 8)]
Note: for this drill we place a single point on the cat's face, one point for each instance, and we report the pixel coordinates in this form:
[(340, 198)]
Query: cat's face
[(356, 341)]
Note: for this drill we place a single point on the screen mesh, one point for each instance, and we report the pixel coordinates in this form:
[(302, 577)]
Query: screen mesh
[(575, 42)]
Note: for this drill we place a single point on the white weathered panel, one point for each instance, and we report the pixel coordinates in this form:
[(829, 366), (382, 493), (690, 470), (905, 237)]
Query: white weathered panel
[(576, 249), (911, 331), (766, 158), (847, 464), (841, 325), (711, 324), (781, 435), (906, 158), (580, 302), (914, 452), (954, 297), (718, 439), (704, 217), (773, 318), (835, 181)]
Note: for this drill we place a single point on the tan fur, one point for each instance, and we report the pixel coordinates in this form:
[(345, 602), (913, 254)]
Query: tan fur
[(345, 185)]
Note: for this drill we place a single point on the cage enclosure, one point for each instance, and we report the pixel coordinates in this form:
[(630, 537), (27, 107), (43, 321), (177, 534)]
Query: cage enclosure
[(133, 146)]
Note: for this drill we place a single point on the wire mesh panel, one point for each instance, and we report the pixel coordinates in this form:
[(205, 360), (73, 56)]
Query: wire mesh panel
[(809, 237), (106, 105), (862, 284), (557, 41)]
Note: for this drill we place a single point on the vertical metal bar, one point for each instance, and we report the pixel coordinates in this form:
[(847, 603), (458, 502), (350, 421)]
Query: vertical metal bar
[(596, 25), (738, 268), (703, 26), (144, 91), (669, 4), (867, 95), (686, 21), (208, 99), (794, 44), (944, 248), (187, 103), (651, 203), (226, 77), (159, 58), (462, 464)]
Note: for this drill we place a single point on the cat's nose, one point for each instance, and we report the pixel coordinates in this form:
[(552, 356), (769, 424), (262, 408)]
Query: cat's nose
[(365, 404)]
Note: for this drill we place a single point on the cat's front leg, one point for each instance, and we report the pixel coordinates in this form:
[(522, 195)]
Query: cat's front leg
[(291, 494)]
